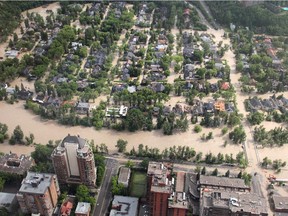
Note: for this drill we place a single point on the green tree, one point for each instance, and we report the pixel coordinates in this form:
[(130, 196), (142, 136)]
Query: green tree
[(117, 189), (2, 183), (266, 162), (255, 118), (129, 164), (144, 163), (83, 195), (4, 211), (135, 120), (17, 136), (203, 171), (168, 128), (227, 174), (224, 130), (42, 158), (238, 135), (197, 128), (3, 132), (100, 164), (121, 145), (215, 172)]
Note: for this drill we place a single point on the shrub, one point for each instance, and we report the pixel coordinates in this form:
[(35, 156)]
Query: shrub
[(197, 128)]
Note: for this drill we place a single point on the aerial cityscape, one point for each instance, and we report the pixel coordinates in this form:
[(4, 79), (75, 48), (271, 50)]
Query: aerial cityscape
[(143, 108)]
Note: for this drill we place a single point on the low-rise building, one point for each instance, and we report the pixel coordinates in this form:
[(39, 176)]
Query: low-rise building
[(226, 203), (66, 208), (83, 209), (124, 176), (223, 183), (124, 205), (84, 108), (280, 204), (11, 163), (8, 201)]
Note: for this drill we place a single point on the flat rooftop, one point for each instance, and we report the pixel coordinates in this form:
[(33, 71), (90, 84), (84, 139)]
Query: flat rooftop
[(124, 174), (36, 183), (6, 199), (280, 202), (235, 201), (222, 182), (180, 181), (156, 168), (83, 208), (178, 200), (124, 205)]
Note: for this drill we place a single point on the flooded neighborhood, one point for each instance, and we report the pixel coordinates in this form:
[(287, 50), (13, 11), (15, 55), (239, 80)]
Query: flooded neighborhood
[(163, 91)]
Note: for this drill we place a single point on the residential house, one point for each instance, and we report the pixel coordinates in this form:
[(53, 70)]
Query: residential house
[(24, 94), (157, 87), (209, 107), (84, 107), (254, 104), (219, 106), (12, 53), (188, 71), (66, 208), (225, 86), (198, 108)]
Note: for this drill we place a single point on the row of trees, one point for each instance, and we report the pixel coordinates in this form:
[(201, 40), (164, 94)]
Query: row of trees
[(274, 137), (181, 153), (275, 164), (258, 18)]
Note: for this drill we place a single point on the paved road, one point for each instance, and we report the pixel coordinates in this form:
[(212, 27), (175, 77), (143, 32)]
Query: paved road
[(105, 195)]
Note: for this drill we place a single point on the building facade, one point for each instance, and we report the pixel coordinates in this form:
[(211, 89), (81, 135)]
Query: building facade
[(38, 194), (73, 161), (159, 188)]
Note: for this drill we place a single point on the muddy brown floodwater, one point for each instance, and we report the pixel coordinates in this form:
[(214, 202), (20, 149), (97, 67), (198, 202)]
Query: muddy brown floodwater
[(45, 130)]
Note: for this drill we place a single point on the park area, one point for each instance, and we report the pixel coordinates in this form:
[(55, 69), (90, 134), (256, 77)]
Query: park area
[(138, 184)]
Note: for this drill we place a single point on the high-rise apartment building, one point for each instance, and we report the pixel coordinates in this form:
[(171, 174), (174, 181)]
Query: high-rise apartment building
[(73, 161), (38, 193)]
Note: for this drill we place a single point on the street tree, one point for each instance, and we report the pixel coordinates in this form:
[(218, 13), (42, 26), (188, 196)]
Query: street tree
[(121, 145)]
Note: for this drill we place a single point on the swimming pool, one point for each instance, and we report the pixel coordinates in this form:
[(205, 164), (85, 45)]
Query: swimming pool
[(285, 8)]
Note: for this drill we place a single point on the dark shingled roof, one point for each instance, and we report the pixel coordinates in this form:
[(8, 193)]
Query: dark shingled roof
[(74, 139)]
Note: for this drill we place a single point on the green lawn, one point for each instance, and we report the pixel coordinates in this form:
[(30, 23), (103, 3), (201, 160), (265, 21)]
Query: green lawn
[(138, 184)]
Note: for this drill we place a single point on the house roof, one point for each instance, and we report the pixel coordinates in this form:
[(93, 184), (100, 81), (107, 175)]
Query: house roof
[(66, 208), (83, 208), (225, 86)]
